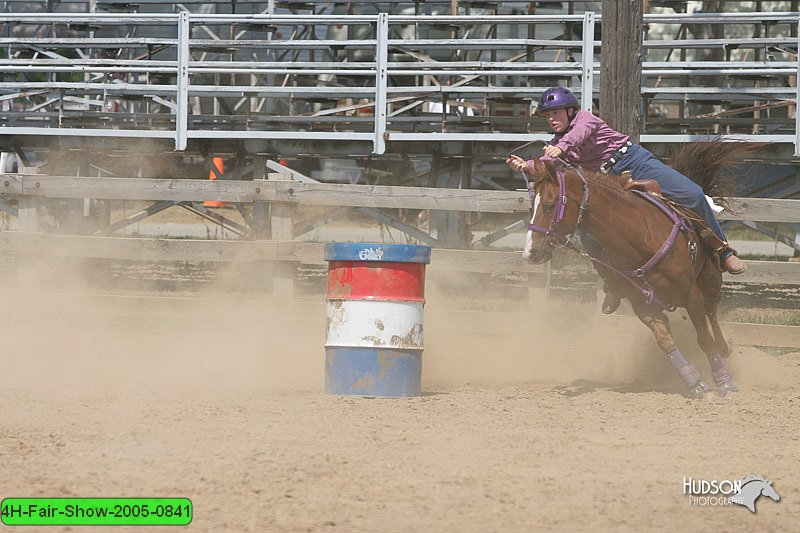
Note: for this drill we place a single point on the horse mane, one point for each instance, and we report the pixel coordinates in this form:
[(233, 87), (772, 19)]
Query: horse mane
[(710, 164)]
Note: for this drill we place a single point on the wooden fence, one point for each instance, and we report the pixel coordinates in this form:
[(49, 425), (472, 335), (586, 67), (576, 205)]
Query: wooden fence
[(282, 196)]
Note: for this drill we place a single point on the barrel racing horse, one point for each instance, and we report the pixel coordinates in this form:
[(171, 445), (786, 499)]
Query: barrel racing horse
[(654, 255)]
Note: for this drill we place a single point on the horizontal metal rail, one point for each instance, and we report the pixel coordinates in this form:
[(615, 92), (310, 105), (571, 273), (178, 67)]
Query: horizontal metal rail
[(53, 92), (649, 18)]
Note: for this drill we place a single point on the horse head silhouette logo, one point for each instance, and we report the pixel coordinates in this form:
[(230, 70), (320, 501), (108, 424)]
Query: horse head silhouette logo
[(752, 488)]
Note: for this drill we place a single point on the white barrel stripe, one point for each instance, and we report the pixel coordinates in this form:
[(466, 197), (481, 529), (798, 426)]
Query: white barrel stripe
[(374, 324)]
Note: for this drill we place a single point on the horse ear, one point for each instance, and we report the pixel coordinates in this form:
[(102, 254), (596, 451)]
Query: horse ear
[(551, 170), (538, 171)]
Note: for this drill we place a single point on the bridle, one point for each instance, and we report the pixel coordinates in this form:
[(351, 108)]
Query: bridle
[(554, 237)]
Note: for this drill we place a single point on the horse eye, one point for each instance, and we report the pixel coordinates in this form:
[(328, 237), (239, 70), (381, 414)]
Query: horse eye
[(548, 208)]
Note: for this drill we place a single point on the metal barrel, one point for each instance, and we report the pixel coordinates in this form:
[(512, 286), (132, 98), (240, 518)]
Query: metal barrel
[(375, 300)]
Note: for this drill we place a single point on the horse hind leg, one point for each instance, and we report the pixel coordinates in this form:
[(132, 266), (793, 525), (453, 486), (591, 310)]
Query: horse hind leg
[(722, 376), (698, 309), (723, 346), (719, 369), (659, 325), (710, 284)]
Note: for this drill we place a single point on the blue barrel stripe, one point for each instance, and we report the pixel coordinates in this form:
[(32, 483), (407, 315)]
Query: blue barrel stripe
[(380, 372), (371, 252)]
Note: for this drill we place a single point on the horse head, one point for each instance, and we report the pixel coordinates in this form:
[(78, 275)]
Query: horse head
[(752, 488), (550, 219), (769, 491)]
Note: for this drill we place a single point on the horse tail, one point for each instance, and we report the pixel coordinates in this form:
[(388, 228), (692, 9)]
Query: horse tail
[(710, 164)]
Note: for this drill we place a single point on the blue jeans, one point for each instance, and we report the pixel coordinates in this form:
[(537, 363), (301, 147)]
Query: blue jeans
[(642, 165)]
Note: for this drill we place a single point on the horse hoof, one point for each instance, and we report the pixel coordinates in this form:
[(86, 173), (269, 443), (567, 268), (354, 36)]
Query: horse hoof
[(699, 390), (611, 302), (724, 388)]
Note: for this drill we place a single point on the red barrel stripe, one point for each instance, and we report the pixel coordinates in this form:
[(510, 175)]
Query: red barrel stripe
[(358, 280)]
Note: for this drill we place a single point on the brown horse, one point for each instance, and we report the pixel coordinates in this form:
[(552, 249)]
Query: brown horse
[(636, 233)]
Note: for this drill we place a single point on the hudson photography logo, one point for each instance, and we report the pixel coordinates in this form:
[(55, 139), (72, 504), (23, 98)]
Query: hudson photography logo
[(713, 492)]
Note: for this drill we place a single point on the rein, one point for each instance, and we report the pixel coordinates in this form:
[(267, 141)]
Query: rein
[(637, 277), (531, 193)]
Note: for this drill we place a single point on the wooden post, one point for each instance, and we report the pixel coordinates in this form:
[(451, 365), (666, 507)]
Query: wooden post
[(28, 206), (259, 274), (28, 213), (621, 70), (282, 228), (260, 229), (100, 215), (621, 62), (74, 223), (28, 217)]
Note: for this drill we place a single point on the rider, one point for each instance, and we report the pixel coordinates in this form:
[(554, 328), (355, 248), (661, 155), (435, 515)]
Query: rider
[(587, 141)]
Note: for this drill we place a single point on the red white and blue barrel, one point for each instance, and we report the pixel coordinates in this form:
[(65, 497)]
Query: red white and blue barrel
[(375, 300)]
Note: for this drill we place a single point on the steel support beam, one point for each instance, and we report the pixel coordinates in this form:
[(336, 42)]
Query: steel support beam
[(381, 77), (587, 56), (182, 97)]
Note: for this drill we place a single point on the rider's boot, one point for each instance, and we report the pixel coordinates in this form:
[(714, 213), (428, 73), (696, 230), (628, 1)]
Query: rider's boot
[(732, 264), (727, 255), (612, 300)]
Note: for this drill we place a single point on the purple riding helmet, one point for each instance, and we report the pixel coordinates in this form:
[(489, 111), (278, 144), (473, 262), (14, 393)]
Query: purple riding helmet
[(557, 98)]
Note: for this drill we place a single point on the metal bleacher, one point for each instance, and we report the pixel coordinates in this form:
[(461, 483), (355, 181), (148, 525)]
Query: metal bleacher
[(429, 93), (283, 76)]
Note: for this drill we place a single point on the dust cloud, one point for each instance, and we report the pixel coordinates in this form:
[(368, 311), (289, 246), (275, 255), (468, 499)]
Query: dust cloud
[(64, 332)]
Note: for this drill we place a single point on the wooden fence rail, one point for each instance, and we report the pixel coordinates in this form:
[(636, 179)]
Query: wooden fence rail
[(149, 249), (328, 194), (29, 190)]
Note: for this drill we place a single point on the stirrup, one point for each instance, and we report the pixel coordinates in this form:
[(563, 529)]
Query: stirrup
[(698, 390)]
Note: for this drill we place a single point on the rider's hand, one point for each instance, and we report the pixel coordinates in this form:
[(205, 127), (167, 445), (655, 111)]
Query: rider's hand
[(517, 163), (552, 151)]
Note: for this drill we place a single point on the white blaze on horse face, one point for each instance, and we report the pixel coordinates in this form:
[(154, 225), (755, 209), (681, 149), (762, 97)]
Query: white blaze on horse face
[(526, 253)]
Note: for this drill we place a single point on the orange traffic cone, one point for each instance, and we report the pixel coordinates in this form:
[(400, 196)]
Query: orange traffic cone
[(217, 162)]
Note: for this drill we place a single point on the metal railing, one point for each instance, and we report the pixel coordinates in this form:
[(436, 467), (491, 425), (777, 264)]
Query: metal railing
[(384, 78)]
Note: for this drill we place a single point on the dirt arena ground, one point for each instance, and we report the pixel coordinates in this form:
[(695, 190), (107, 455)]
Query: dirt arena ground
[(529, 421)]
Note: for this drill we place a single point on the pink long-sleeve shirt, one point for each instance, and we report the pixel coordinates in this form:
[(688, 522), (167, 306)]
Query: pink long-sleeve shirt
[(588, 141)]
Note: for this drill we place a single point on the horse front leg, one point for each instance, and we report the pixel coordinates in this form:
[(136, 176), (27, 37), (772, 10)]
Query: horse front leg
[(699, 310), (658, 323)]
